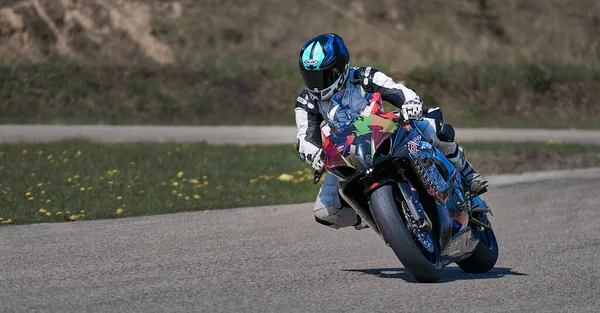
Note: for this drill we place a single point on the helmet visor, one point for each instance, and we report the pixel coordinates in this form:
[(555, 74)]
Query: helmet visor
[(321, 79)]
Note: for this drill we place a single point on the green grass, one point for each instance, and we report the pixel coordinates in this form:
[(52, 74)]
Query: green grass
[(53, 177), (532, 95), (77, 180), (560, 148)]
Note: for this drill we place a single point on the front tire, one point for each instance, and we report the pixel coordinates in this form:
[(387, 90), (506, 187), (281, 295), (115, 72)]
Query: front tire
[(485, 255), (400, 238)]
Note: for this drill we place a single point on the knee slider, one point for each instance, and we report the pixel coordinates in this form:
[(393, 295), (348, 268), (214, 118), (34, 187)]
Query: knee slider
[(446, 133)]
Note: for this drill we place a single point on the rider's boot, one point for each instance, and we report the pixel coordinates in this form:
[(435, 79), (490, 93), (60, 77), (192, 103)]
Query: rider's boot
[(361, 223), (476, 183)]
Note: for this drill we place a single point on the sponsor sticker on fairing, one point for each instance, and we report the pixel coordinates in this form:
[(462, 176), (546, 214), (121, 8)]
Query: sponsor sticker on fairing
[(413, 144)]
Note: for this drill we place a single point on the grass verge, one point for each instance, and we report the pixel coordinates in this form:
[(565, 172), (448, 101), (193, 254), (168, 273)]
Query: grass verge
[(77, 180), (532, 95)]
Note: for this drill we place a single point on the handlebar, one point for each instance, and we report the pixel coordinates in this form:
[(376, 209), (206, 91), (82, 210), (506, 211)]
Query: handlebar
[(318, 175)]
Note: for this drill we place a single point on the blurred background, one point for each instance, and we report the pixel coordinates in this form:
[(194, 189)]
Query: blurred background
[(498, 63)]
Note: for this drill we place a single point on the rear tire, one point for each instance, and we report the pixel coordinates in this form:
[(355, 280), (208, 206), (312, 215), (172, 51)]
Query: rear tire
[(484, 256), (400, 238)]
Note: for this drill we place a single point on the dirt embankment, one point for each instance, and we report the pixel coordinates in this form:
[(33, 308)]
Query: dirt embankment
[(203, 62), (394, 33), (85, 31)]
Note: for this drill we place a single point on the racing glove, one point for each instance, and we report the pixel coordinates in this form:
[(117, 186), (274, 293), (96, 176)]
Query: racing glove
[(412, 111), (318, 161)]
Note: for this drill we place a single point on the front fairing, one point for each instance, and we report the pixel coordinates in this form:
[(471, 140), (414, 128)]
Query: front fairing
[(350, 145)]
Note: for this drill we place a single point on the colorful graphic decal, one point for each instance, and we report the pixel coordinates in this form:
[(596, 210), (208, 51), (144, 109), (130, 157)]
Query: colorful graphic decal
[(354, 145)]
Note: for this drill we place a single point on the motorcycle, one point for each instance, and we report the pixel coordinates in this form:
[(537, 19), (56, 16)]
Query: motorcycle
[(404, 188)]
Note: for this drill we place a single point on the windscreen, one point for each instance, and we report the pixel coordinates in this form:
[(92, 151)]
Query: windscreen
[(345, 106)]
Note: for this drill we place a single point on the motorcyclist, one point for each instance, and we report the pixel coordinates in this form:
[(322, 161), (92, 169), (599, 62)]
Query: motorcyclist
[(325, 69)]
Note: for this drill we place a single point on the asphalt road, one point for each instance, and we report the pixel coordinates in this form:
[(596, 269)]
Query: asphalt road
[(253, 134), (277, 259)]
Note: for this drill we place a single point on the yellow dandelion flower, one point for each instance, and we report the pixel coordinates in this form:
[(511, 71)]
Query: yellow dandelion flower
[(76, 177), (119, 211), (219, 187), (48, 201), (263, 196), (48, 214), (40, 184), (141, 192), (204, 177), (77, 154), (32, 174), (65, 160), (49, 157), (27, 194), (187, 198), (68, 212), (31, 198), (131, 163), (119, 198), (43, 192), (42, 210), (58, 213), (128, 186), (8, 221), (101, 177), (194, 181), (179, 195), (180, 175), (82, 189), (205, 183), (136, 178), (252, 181), (24, 152), (196, 196), (1, 219), (175, 183), (285, 177), (69, 179), (110, 182), (174, 191), (82, 211), (73, 217)]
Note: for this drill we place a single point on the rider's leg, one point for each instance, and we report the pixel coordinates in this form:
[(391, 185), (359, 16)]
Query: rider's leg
[(441, 136), (328, 208)]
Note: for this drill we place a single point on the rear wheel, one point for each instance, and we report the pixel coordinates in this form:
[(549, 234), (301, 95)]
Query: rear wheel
[(485, 255), (416, 250)]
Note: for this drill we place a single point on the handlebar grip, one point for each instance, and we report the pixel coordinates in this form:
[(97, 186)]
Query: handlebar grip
[(317, 176)]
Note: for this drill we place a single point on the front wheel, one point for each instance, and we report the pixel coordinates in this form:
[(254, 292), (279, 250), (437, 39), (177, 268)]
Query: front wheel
[(485, 255), (420, 262)]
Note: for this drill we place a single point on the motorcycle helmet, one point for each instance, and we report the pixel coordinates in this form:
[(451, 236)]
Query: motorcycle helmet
[(324, 65)]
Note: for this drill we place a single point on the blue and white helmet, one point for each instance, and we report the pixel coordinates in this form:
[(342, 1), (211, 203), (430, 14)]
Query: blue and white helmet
[(324, 65)]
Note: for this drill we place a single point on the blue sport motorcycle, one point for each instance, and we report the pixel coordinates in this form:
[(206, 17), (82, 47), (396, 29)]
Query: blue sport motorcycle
[(404, 188)]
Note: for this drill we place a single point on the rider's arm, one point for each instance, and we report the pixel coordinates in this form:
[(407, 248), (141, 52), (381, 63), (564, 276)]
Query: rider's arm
[(308, 121), (395, 93)]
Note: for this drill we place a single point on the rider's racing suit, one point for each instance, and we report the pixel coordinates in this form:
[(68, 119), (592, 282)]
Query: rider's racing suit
[(328, 208)]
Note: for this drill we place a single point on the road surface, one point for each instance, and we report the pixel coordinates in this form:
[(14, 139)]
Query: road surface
[(253, 134), (277, 259)]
